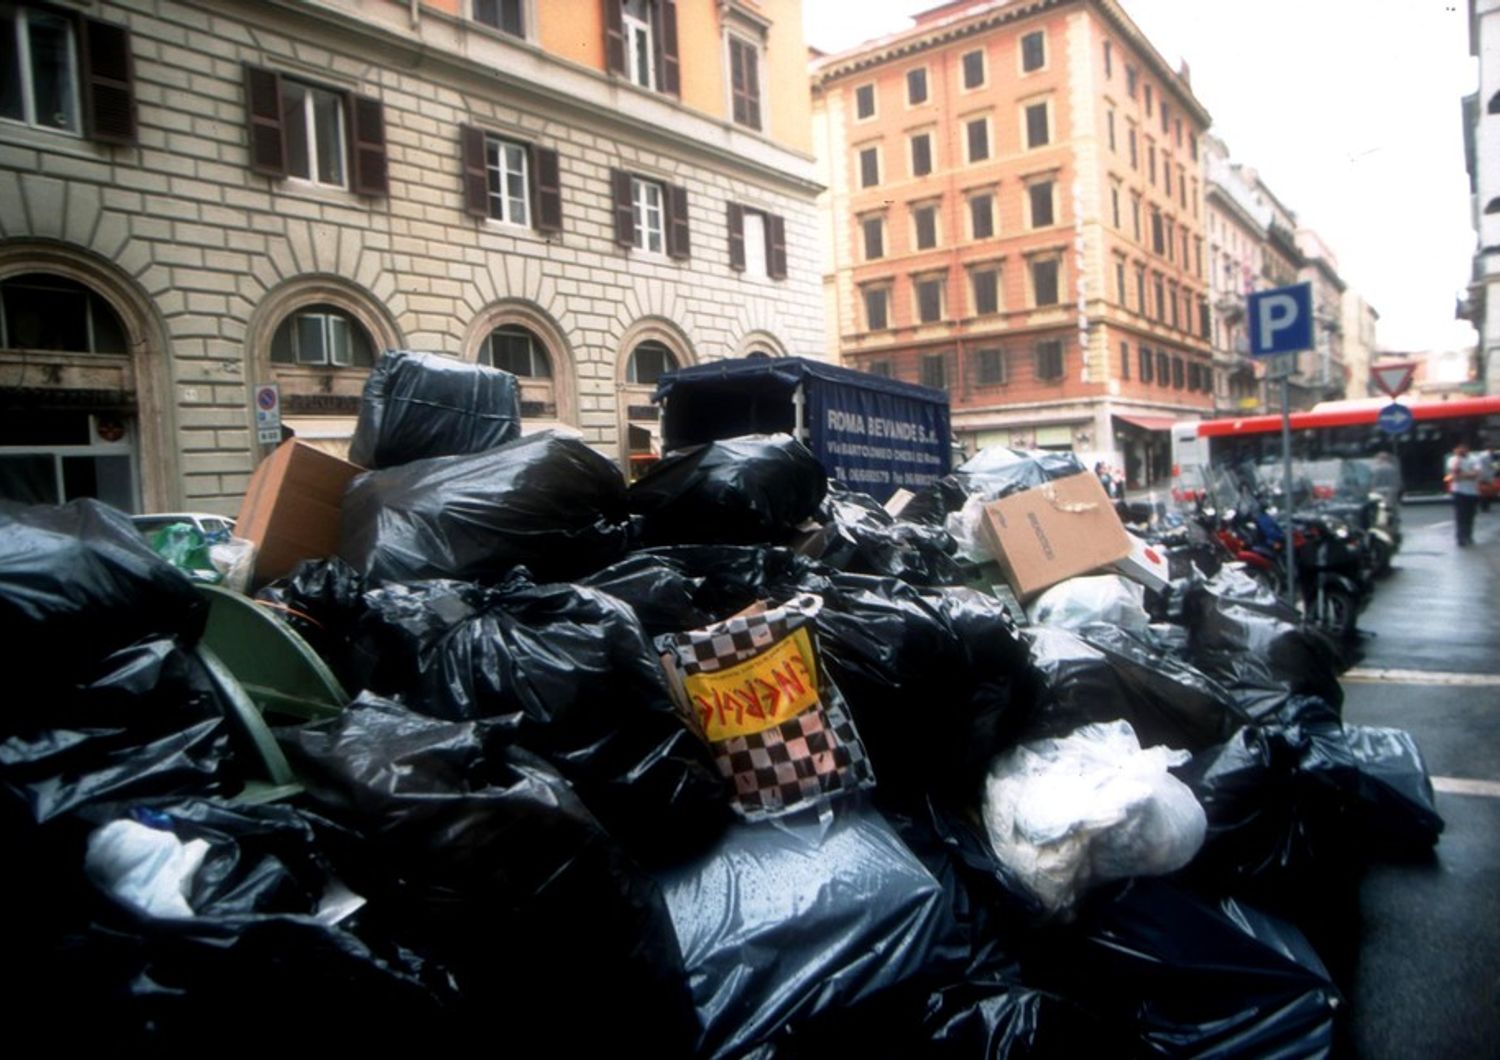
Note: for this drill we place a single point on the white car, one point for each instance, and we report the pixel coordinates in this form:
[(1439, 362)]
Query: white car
[(212, 527)]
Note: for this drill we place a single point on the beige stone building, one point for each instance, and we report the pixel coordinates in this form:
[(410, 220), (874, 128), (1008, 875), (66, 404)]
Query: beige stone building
[(1236, 269), (201, 197)]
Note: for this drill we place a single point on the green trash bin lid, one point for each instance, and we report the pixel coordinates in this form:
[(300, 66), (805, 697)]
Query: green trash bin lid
[(282, 675)]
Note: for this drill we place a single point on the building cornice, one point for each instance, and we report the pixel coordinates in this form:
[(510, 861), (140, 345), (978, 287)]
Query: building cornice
[(562, 90), (982, 18), (1231, 204)]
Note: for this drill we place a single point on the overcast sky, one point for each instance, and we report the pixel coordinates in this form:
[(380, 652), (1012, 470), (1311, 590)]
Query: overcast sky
[(1350, 110)]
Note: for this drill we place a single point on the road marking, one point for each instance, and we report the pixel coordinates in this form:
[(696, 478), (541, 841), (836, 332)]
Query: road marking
[(1460, 786), (1360, 674)]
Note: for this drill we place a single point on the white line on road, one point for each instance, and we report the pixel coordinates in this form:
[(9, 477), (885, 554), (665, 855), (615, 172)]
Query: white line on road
[(1460, 786), (1420, 677)]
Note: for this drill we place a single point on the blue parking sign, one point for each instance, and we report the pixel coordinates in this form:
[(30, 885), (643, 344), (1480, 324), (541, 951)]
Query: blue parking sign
[(1281, 320)]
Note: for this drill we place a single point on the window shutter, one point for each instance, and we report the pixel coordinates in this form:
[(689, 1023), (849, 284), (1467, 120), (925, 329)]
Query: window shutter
[(664, 14), (614, 37), (624, 209), (679, 244), (776, 238), (736, 237), (267, 135), (546, 189), (368, 146), (108, 83), (476, 178), (752, 86)]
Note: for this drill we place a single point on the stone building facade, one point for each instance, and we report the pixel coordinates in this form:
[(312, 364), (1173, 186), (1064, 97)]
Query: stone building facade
[(216, 195)]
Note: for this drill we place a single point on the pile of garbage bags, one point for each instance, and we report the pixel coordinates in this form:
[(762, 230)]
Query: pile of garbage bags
[(727, 762)]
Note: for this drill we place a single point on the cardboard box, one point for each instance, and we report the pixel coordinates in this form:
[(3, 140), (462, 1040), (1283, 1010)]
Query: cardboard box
[(1055, 531), (1146, 564), (291, 509)]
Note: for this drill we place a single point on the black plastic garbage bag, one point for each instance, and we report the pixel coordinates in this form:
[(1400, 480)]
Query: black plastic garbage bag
[(1256, 648), (784, 920), (660, 592), (1396, 808), (929, 675), (565, 672), (80, 581), (419, 405), (1106, 675), (751, 490), (1193, 976), (145, 722), (322, 600), (726, 579), (485, 862), (247, 930), (859, 536), (546, 501)]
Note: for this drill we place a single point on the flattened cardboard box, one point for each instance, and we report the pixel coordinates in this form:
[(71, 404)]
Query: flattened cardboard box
[(1059, 530), (291, 508)]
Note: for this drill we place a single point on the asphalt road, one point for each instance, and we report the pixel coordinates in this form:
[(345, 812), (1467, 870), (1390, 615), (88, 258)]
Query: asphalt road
[(1427, 980)]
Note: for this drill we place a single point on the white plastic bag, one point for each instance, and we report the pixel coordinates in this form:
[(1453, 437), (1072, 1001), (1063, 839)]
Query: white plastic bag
[(965, 526), (1077, 602), (144, 867), (1067, 814), (235, 560)]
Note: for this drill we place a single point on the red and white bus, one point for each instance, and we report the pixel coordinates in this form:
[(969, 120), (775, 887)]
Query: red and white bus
[(1340, 429)]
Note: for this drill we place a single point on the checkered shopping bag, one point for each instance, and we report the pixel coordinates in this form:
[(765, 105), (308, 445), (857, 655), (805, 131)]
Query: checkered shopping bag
[(781, 731)]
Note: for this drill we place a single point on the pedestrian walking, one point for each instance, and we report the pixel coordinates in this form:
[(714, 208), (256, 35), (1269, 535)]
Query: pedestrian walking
[(1463, 482), (1105, 479)]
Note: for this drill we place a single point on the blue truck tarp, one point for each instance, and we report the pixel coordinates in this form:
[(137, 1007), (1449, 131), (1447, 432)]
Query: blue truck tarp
[(873, 434)]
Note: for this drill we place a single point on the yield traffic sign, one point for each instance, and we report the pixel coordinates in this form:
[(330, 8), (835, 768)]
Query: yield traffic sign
[(1393, 378)]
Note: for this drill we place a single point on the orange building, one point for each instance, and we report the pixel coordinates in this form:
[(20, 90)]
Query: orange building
[(1015, 213)]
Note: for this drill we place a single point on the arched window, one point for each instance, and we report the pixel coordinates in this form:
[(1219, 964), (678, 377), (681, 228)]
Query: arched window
[(40, 311), (517, 350), (648, 361), (322, 335)]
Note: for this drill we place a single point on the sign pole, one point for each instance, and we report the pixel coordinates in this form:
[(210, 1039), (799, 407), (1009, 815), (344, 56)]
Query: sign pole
[(1286, 471), (1281, 323)]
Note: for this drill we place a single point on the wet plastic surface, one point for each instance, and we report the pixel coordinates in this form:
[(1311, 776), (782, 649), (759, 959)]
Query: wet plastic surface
[(419, 405), (750, 490), (545, 501), (563, 671)]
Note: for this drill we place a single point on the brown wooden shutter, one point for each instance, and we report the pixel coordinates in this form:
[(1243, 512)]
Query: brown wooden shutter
[(679, 244), (614, 37), (476, 177), (752, 87), (776, 240), (368, 146), (668, 68), (736, 237), (267, 135), (547, 190), (109, 83), (624, 208)]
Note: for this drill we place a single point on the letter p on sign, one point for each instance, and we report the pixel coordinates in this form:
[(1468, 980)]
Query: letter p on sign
[(1280, 320)]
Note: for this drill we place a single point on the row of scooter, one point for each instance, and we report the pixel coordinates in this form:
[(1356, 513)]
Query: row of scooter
[(1345, 533)]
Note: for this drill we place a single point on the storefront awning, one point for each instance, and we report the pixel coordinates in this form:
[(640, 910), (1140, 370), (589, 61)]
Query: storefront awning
[(1147, 423)]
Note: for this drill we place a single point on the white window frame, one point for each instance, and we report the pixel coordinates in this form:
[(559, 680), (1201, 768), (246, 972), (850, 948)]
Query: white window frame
[(926, 86), (884, 290), (994, 197), (874, 102), (1021, 53), (995, 269), (859, 165), (864, 237), (497, 170), (650, 217), (758, 51), (916, 209), (1040, 259), (1025, 106), (917, 283), (309, 118), (911, 153), (328, 333), (533, 354), (754, 228), (639, 39), (989, 140), (74, 117), (528, 19), (1051, 196), (984, 71)]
